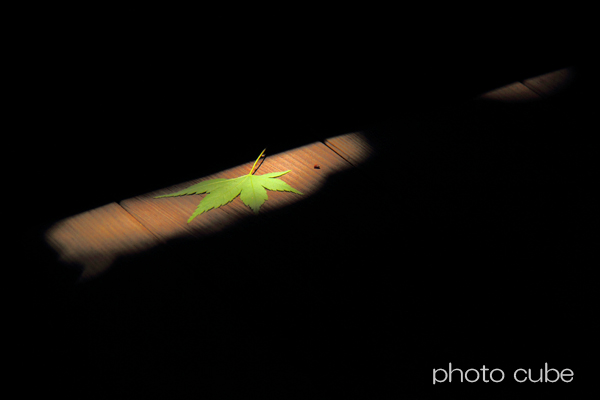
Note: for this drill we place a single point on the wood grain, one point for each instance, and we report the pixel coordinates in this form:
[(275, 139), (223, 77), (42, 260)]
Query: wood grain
[(513, 93), (93, 240), (551, 83), (167, 217), (353, 147)]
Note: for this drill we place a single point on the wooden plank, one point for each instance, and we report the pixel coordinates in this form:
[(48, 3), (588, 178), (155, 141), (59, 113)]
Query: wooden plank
[(167, 217), (513, 93), (93, 240), (551, 83), (353, 147)]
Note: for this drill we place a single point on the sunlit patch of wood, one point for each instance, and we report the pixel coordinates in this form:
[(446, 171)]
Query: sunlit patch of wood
[(93, 240), (532, 89), (167, 217), (353, 147), (552, 83), (513, 93)]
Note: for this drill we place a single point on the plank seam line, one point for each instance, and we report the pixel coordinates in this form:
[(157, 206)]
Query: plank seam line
[(332, 148), (140, 223), (541, 94)]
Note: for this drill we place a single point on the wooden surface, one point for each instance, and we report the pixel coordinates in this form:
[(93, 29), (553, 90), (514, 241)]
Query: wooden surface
[(167, 217), (551, 83), (94, 239), (515, 92), (353, 147)]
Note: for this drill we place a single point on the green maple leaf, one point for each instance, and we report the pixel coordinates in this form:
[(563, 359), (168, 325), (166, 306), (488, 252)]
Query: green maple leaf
[(251, 189)]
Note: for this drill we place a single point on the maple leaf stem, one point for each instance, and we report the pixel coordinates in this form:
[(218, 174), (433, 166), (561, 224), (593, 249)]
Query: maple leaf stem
[(252, 169)]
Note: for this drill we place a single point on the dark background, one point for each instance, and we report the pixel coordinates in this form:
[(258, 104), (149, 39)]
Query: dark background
[(475, 254)]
